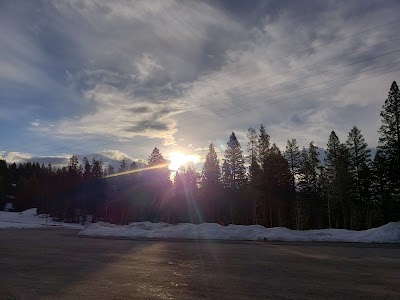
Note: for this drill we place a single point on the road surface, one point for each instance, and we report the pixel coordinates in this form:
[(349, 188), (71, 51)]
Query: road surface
[(57, 264)]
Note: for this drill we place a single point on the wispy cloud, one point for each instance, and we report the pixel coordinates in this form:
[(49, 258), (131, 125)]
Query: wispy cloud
[(173, 73)]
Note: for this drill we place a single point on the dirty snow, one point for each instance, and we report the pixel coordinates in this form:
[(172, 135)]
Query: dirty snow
[(389, 233), (30, 219)]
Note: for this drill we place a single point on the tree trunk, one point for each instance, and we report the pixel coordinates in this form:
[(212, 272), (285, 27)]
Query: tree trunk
[(297, 212), (270, 211), (329, 213), (279, 216), (231, 213)]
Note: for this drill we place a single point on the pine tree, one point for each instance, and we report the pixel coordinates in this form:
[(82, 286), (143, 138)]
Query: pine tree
[(133, 166), (263, 147), (97, 168), (160, 173), (292, 155), (389, 139), (21, 194), (381, 192), (73, 167), (157, 176), (187, 192), (337, 160), (211, 171), (324, 191), (308, 184), (32, 190), (263, 151), (110, 170), (254, 167), (2, 191), (87, 170), (210, 200), (279, 181), (389, 143), (87, 181), (156, 158), (359, 164), (226, 174), (255, 175), (123, 167), (235, 171)]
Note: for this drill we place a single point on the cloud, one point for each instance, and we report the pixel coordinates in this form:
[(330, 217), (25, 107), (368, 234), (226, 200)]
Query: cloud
[(146, 66), (55, 161), (140, 74), (140, 109), (14, 156), (109, 157), (145, 125), (115, 155)]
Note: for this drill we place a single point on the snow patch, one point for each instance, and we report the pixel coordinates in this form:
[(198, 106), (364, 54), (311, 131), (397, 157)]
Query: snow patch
[(389, 233), (30, 219)]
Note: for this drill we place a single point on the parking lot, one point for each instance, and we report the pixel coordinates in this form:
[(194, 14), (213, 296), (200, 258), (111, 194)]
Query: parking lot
[(57, 264)]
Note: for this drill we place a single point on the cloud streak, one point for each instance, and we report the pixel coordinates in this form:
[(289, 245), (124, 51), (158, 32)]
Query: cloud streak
[(176, 73)]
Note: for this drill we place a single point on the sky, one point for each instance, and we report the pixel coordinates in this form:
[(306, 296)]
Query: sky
[(114, 79)]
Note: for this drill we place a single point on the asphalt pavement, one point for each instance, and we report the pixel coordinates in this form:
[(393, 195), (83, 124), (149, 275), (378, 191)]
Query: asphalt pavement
[(58, 264)]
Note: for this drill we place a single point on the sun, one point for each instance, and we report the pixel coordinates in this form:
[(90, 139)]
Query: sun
[(178, 159)]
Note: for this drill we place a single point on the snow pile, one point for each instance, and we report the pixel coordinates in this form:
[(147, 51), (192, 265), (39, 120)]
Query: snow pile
[(29, 219), (389, 233)]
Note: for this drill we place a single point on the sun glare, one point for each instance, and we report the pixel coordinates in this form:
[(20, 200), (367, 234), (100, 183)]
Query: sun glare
[(178, 159)]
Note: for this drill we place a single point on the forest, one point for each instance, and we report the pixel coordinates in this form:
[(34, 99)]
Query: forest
[(269, 186)]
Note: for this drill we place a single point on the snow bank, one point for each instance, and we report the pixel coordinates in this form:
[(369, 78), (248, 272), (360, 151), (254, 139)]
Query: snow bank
[(389, 233), (30, 219)]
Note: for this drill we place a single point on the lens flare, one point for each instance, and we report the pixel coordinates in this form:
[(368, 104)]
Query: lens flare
[(178, 159)]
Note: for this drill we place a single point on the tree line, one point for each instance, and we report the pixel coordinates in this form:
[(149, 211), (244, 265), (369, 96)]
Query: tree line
[(293, 188)]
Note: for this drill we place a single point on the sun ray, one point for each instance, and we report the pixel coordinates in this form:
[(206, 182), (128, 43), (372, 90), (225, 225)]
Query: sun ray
[(178, 159)]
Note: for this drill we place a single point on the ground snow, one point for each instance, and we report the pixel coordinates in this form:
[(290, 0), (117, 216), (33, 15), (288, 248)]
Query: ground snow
[(30, 219), (389, 233)]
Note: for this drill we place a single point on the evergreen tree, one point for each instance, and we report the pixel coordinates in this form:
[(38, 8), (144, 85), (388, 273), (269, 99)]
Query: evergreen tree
[(323, 192), (292, 155), (211, 171), (160, 173), (359, 163), (186, 195), (87, 170), (123, 167), (226, 174), (255, 175), (87, 181), (110, 170), (263, 151), (263, 147), (390, 129), (235, 171), (337, 160), (133, 166), (21, 195), (32, 191), (211, 186), (389, 143), (308, 185), (255, 172), (97, 168), (382, 207), (156, 158), (73, 166), (2, 192), (279, 182), (159, 184)]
